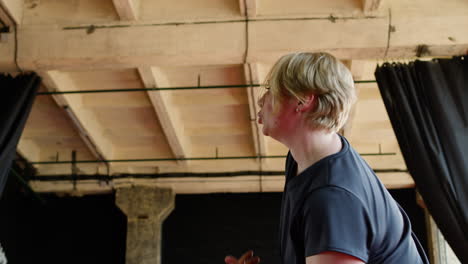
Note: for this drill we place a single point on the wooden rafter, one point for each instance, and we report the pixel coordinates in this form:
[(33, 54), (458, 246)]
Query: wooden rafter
[(85, 122), (111, 37), (127, 9), (29, 150), (167, 112), (197, 185), (224, 43), (11, 12), (5, 18)]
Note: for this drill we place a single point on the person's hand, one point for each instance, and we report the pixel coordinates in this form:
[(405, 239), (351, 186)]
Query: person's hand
[(247, 258)]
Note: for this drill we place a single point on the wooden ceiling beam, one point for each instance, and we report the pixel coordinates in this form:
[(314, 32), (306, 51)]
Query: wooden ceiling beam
[(377, 162), (258, 139), (43, 48), (127, 9), (166, 111), (198, 185), (338, 37), (84, 120), (11, 12), (29, 150), (5, 18), (116, 47)]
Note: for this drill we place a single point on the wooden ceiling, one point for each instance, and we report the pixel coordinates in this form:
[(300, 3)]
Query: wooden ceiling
[(79, 45)]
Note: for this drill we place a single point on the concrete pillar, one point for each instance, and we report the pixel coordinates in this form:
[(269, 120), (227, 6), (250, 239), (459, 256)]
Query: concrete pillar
[(146, 208)]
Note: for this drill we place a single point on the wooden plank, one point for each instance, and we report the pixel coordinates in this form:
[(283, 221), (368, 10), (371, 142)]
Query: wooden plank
[(339, 37), (224, 43), (258, 139), (127, 9), (429, 36), (29, 150), (167, 112), (198, 185), (87, 12), (237, 184), (84, 120), (151, 167), (5, 18), (214, 165), (131, 46), (256, 183), (11, 12), (358, 68), (396, 180)]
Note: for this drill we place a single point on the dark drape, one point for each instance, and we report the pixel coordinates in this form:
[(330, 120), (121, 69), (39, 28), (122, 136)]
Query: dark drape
[(427, 102), (16, 99)]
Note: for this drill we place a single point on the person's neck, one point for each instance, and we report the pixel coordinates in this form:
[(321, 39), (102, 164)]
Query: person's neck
[(313, 145)]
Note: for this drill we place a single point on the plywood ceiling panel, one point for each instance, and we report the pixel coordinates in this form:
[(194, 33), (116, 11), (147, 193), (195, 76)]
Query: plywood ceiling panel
[(88, 45), (68, 12), (52, 132)]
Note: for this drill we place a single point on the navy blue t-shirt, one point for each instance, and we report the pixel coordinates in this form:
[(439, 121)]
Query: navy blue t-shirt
[(339, 204)]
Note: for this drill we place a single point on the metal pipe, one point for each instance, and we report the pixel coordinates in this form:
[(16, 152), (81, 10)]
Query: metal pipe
[(194, 158), (166, 88)]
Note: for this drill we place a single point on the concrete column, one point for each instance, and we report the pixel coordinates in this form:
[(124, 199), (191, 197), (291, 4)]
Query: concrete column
[(146, 208)]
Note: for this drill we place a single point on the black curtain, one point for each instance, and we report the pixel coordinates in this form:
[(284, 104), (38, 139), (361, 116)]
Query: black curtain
[(16, 98), (427, 102)]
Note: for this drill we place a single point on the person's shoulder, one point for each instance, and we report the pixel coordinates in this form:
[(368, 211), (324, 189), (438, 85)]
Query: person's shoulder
[(350, 171), (334, 219), (330, 189), (332, 196)]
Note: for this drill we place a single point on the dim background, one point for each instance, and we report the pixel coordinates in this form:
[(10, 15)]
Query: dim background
[(201, 229)]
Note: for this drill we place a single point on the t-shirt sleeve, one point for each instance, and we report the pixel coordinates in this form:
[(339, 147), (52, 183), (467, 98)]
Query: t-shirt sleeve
[(335, 220)]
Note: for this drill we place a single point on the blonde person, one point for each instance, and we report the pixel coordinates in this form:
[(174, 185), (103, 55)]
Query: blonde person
[(334, 208)]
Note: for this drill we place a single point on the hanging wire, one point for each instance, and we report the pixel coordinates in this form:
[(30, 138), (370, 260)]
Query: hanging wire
[(166, 88), (187, 159), (100, 177)]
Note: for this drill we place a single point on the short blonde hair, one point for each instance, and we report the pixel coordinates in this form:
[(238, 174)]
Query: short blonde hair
[(321, 74)]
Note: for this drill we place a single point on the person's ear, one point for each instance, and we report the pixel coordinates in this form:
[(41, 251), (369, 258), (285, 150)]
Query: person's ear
[(307, 104)]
